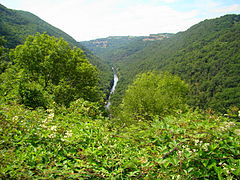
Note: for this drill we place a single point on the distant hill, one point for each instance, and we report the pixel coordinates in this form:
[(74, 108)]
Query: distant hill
[(16, 25), (207, 56), (115, 48)]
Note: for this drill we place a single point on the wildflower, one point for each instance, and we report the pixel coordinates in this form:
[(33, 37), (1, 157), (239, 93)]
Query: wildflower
[(68, 134), (226, 169), (205, 146), (52, 136), (50, 110), (51, 116), (226, 126), (231, 124), (196, 141), (15, 118), (233, 169), (237, 132), (43, 126), (45, 121), (188, 150), (53, 128)]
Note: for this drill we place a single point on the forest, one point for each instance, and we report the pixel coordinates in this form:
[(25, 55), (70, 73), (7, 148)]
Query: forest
[(174, 115), (206, 56)]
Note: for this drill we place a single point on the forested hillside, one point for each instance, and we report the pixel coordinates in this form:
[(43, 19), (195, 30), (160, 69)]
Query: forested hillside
[(206, 56), (115, 48), (16, 25)]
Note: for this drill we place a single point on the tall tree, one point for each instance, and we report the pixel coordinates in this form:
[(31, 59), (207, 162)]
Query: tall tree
[(49, 65)]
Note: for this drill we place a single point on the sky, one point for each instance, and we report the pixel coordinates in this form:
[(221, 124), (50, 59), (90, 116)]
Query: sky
[(92, 19)]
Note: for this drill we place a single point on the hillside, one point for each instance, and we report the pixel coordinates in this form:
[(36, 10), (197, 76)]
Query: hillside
[(115, 48), (206, 56), (16, 25)]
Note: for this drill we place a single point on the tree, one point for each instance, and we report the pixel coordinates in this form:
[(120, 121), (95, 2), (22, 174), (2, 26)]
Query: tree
[(153, 94), (3, 55), (55, 69)]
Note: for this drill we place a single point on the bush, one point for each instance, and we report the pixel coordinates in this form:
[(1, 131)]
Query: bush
[(33, 95), (76, 143), (154, 94)]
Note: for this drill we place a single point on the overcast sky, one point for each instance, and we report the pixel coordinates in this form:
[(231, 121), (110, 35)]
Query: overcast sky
[(91, 19)]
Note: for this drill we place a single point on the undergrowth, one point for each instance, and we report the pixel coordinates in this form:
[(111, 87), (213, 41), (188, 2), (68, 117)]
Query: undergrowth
[(79, 143)]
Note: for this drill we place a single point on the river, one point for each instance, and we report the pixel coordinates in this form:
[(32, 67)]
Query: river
[(115, 81)]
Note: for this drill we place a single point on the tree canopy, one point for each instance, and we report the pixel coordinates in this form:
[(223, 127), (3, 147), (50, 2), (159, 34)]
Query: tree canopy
[(206, 56), (3, 55), (49, 67), (155, 93), (17, 25)]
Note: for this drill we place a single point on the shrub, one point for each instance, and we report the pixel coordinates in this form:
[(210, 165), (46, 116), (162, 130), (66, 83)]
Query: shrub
[(154, 94)]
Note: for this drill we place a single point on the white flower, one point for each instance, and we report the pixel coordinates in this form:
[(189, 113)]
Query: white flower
[(231, 124), (43, 126), (196, 141), (53, 128), (52, 136), (205, 146), (45, 121), (226, 126), (51, 116), (15, 118), (237, 132), (50, 110), (68, 134)]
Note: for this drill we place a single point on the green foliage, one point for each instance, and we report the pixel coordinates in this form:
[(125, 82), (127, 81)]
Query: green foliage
[(33, 95), (17, 25), (65, 136), (116, 48), (78, 143), (3, 55), (153, 94), (49, 67), (206, 56)]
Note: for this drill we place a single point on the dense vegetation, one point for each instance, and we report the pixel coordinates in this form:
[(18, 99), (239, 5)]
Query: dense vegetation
[(16, 25), (116, 48), (154, 94), (206, 56), (53, 124), (46, 69), (77, 141), (167, 141)]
